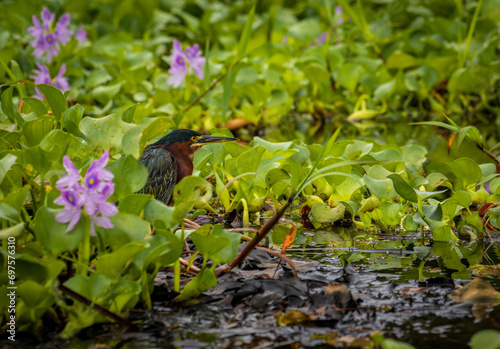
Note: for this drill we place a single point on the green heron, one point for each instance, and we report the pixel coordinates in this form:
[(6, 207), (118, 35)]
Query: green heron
[(170, 159)]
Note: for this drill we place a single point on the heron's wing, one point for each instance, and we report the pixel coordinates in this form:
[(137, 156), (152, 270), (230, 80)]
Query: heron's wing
[(162, 170)]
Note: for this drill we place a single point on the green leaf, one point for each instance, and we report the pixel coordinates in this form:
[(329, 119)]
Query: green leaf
[(130, 176), (95, 287), (113, 264), (13, 231), (160, 215), (245, 35), (325, 214), (485, 339), (246, 76), (134, 203), (36, 105), (5, 165), (136, 139), (55, 98), (126, 228), (466, 171), (228, 253), (349, 75), (403, 188), (35, 130), (212, 245), (441, 231), (128, 114), (72, 118), (382, 189), (202, 282), (9, 108), (52, 235), (249, 160), (105, 133)]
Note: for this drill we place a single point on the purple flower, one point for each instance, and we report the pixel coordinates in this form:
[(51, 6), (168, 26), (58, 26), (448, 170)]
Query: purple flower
[(43, 77), (183, 62), (81, 36), (72, 202), (60, 81), (322, 39), (47, 39), (195, 60), (339, 11), (71, 181), (62, 33), (90, 193), (47, 17)]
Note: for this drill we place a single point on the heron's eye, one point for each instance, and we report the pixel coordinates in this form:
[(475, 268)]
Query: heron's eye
[(194, 139)]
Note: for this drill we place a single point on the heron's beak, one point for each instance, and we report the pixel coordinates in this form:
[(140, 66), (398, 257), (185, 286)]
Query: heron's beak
[(213, 139)]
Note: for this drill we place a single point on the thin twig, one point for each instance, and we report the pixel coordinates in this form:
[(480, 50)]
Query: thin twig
[(98, 308), (211, 87)]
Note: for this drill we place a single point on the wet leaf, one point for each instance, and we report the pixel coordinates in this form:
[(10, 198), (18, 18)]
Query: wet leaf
[(477, 289), (325, 214)]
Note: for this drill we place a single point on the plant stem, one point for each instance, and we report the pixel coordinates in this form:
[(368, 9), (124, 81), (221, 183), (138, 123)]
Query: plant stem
[(264, 230), (177, 275), (208, 89), (84, 249)]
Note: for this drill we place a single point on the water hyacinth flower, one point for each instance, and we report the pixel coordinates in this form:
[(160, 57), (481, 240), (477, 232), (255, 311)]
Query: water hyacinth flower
[(183, 62), (47, 37), (339, 11), (89, 193), (321, 40), (42, 76), (81, 36)]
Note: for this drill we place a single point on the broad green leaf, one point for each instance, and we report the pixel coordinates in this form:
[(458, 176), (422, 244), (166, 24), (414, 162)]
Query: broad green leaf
[(130, 176), (136, 139), (133, 203), (9, 108), (382, 189), (467, 172), (485, 339), (13, 231), (55, 98), (52, 235), (33, 294), (349, 75), (246, 76), (227, 254), (35, 130), (441, 231), (126, 228), (113, 264), (325, 214), (95, 287), (72, 118), (36, 105), (403, 188), (249, 160), (160, 215), (202, 282), (5, 165), (208, 244), (105, 133)]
